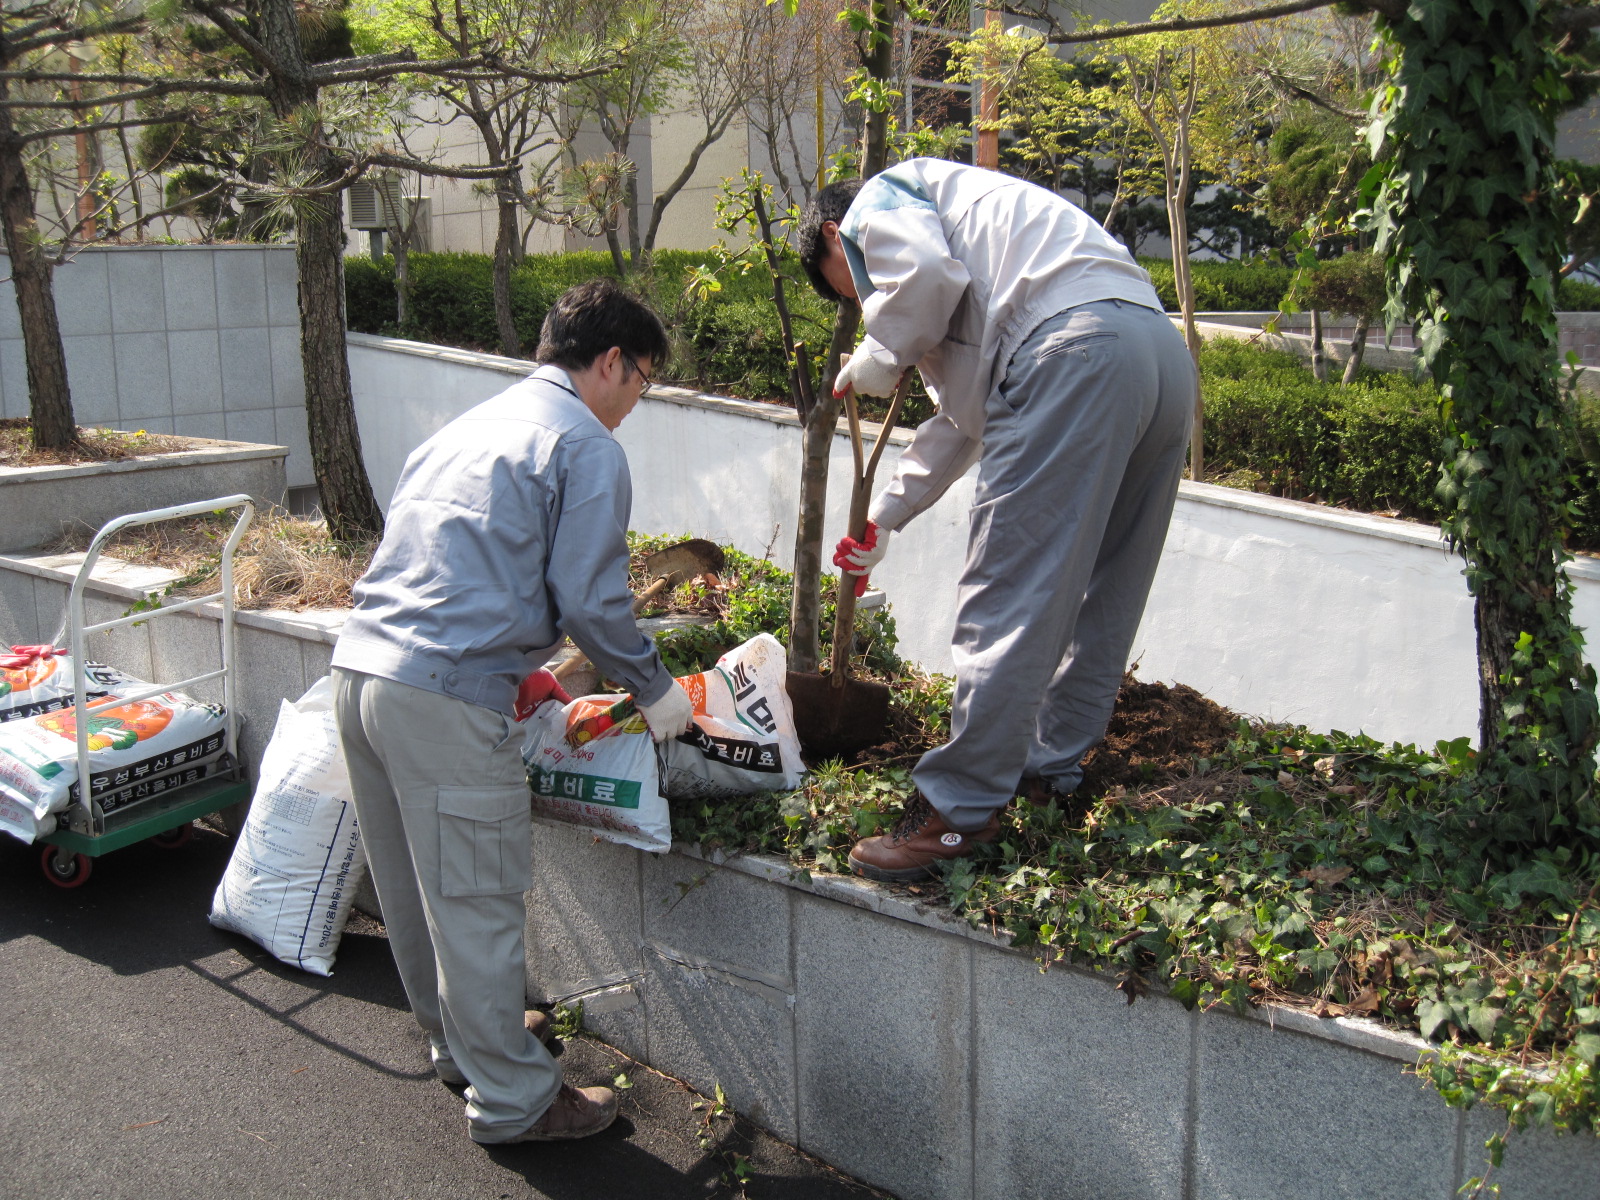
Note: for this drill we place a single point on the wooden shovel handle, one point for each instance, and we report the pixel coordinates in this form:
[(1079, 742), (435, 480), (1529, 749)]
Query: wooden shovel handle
[(844, 623)]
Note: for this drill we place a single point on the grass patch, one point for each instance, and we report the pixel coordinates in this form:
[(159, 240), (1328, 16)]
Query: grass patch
[(282, 562)]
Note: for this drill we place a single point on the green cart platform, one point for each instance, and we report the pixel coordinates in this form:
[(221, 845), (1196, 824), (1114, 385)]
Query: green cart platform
[(84, 831)]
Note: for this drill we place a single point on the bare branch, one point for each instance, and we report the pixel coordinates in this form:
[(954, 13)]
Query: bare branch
[(22, 44), (42, 135), (1061, 37), (165, 87), (500, 67), (238, 34)]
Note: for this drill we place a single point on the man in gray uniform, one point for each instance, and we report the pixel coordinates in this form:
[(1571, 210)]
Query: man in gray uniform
[(507, 528), (1054, 368)]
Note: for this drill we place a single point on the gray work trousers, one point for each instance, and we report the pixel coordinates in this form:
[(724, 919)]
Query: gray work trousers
[(442, 800), (1083, 447)]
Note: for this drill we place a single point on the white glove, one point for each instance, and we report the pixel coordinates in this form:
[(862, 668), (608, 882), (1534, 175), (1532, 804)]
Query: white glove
[(670, 715), (867, 376)]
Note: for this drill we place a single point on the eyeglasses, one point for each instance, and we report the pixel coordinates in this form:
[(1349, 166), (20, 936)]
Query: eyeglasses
[(628, 358)]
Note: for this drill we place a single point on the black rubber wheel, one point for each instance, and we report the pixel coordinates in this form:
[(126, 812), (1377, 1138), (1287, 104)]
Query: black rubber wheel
[(173, 838), (65, 869)]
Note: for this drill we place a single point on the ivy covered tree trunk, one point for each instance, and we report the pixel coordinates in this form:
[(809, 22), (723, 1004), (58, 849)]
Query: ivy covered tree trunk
[(50, 399), (1466, 216)]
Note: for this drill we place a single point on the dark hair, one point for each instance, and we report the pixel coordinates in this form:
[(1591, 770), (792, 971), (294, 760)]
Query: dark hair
[(589, 318), (830, 204)]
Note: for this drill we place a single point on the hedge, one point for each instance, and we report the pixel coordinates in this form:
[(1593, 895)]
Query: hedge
[(1270, 426)]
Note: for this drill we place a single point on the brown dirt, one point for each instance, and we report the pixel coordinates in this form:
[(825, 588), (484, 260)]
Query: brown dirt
[(93, 445), (1156, 733)]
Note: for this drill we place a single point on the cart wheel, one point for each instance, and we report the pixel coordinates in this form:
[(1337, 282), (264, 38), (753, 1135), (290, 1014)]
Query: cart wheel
[(65, 869), (173, 838)]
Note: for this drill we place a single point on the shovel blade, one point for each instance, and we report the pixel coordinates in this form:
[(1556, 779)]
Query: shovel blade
[(837, 720)]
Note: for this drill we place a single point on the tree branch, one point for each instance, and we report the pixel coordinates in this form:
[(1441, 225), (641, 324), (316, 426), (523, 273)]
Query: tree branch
[(1061, 37), (23, 44), (41, 135), (218, 87), (235, 32)]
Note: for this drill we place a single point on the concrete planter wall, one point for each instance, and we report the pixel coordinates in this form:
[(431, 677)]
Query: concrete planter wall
[(889, 1038), (1277, 609), (39, 502), (202, 341)]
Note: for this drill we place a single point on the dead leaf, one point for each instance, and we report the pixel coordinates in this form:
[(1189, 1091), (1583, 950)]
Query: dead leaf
[(1324, 766), (1328, 875), (1286, 779), (1365, 1001), (1342, 789), (1133, 986), (1327, 1009)]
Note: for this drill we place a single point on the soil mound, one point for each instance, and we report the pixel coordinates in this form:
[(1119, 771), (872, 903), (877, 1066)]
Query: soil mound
[(1155, 733)]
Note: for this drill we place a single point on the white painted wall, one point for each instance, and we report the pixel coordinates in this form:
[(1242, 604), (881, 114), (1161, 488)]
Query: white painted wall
[(1276, 609)]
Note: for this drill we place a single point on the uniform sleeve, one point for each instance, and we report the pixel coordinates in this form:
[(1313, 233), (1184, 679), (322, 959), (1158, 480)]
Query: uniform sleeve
[(918, 283), (587, 571), (939, 455)]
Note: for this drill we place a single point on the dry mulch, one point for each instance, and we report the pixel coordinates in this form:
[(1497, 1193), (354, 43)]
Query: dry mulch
[(93, 445)]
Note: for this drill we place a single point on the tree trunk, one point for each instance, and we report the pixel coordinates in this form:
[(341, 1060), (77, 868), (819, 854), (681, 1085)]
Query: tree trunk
[(805, 605), (402, 281), (880, 65), (1358, 350), (346, 494), (342, 484), (50, 398), (1319, 356), (505, 238)]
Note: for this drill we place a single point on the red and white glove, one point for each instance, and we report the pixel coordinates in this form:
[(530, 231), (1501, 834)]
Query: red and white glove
[(670, 715), (26, 656), (857, 557), (867, 376), (538, 687)]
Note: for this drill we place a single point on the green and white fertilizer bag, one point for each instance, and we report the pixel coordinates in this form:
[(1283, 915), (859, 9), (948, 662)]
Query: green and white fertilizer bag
[(592, 761), (296, 866)]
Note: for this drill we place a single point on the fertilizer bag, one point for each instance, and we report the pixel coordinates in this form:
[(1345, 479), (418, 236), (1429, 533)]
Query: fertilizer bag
[(592, 763), (298, 862), (38, 679), (743, 738), (137, 749)]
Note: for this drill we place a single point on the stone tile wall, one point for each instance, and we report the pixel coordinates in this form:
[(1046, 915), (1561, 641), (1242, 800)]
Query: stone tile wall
[(195, 340)]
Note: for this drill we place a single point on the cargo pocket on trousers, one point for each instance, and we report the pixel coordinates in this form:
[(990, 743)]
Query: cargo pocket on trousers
[(485, 841)]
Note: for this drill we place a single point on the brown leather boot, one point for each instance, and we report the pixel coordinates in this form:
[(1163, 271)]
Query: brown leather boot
[(1039, 791), (918, 843)]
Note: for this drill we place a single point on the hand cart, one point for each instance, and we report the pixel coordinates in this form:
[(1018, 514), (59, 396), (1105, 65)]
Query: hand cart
[(85, 830)]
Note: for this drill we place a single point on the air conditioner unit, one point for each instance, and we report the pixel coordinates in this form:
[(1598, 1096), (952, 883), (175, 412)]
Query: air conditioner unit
[(373, 204)]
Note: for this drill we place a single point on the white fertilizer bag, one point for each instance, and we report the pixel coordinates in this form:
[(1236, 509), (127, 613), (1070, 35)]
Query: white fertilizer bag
[(136, 750), (298, 862), (592, 762), (744, 738), (38, 679)]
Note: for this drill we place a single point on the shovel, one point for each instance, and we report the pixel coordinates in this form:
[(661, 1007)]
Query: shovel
[(835, 715), (668, 567)]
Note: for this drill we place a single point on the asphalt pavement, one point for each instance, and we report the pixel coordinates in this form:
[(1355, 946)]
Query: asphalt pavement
[(146, 1054)]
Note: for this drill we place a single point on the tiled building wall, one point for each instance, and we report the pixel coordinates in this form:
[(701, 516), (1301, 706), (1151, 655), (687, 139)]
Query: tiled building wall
[(196, 340)]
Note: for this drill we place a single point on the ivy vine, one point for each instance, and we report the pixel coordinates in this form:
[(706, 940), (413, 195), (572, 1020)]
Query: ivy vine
[(1464, 207)]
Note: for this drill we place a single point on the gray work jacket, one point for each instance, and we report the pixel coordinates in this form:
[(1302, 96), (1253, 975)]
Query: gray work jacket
[(507, 528)]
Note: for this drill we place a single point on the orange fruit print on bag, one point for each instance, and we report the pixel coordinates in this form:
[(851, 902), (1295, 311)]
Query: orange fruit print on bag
[(26, 678), (113, 728)]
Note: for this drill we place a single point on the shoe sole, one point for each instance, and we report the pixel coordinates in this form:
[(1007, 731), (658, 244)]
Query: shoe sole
[(570, 1136), (891, 875)]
